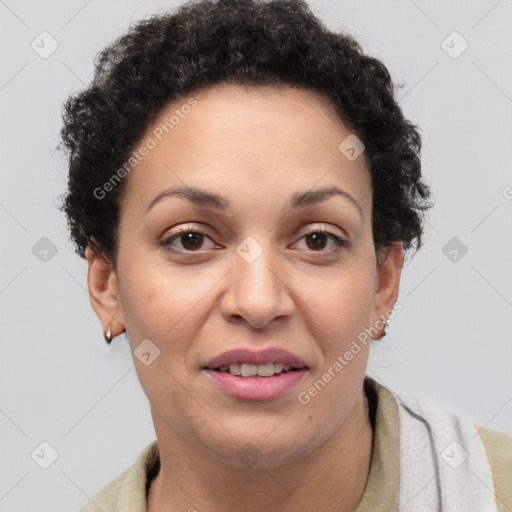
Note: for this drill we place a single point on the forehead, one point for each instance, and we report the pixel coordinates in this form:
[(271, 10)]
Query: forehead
[(248, 137)]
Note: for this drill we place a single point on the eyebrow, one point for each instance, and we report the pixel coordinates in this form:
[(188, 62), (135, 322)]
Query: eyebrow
[(299, 199)]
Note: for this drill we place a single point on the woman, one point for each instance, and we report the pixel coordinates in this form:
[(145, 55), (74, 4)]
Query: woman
[(244, 187)]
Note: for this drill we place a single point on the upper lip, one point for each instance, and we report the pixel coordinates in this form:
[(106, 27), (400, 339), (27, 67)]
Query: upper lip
[(269, 355)]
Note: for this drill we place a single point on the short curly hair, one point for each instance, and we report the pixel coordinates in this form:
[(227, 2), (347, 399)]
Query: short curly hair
[(245, 42)]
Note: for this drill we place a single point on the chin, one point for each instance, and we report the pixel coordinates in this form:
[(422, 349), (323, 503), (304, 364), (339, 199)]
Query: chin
[(262, 448)]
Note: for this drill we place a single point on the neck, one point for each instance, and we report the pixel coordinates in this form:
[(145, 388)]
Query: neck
[(332, 478)]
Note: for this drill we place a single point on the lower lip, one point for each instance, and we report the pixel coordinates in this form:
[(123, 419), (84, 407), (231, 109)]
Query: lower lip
[(256, 388)]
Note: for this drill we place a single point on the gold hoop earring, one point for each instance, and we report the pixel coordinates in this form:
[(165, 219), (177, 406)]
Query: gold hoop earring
[(108, 335), (386, 324)]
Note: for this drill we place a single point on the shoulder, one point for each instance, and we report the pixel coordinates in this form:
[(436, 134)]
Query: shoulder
[(127, 492), (106, 499), (498, 446)]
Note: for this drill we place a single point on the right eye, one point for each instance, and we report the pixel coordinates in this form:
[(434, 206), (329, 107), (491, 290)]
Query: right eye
[(191, 240)]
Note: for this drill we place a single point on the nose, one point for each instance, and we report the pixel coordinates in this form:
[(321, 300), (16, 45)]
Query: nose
[(257, 291)]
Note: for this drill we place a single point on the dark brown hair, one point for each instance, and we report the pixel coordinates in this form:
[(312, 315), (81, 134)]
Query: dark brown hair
[(246, 42)]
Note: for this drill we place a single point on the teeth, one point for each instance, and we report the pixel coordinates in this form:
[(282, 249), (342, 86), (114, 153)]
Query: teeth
[(247, 370), (265, 370), (234, 369), (252, 370)]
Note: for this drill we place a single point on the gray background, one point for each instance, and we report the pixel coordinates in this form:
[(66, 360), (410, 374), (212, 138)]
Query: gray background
[(452, 343)]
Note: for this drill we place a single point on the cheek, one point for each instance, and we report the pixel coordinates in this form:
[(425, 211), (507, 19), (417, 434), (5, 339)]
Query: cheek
[(155, 300), (341, 313), (156, 311), (170, 309), (343, 303)]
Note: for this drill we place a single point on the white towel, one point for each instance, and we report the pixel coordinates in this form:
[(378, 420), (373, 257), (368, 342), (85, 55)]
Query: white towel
[(443, 463)]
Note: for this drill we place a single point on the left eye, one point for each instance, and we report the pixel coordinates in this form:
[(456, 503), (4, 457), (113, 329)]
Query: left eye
[(319, 237)]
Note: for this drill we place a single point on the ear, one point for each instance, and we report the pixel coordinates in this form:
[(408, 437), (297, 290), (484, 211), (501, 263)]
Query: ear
[(389, 270), (104, 292)]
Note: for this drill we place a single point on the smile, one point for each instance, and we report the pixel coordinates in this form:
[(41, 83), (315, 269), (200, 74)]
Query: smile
[(254, 386), (252, 370)]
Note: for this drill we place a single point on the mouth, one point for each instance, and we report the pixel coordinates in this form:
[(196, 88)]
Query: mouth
[(257, 370), (246, 362), (247, 375)]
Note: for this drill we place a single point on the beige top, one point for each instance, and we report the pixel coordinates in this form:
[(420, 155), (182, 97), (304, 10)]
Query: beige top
[(127, 493)]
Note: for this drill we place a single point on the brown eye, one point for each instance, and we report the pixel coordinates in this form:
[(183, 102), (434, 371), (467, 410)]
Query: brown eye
[(190, 241), (318, 240)]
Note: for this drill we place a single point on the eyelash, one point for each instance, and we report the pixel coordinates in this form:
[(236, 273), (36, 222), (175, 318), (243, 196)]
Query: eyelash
[(340, 242)]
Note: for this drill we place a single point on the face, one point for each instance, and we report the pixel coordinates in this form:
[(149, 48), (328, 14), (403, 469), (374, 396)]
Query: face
[(254, 258)]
